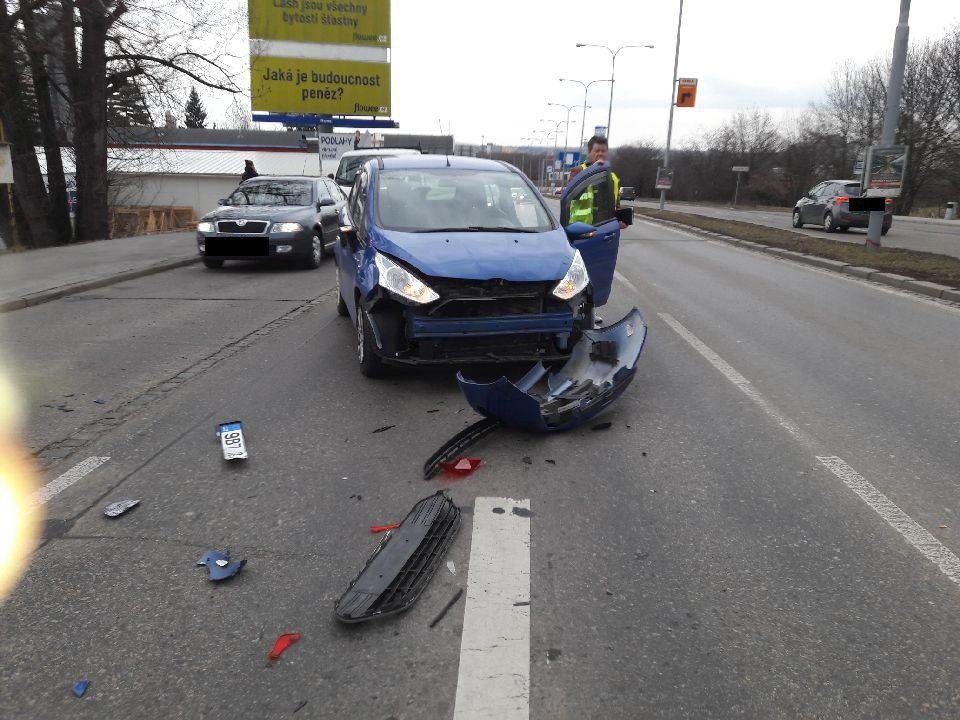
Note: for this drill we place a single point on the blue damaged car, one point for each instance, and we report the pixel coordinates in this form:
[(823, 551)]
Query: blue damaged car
[(455, 260)]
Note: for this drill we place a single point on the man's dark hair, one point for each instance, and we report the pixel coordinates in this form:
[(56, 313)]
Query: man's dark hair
[(596, 140)]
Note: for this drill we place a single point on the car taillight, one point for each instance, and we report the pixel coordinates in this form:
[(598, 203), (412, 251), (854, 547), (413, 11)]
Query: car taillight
[(888, 201), (840, 200)]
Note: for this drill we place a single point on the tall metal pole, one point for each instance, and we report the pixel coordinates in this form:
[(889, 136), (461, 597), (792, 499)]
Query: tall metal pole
[(673, 90), (613, 67), (891, 117), (586, 89)]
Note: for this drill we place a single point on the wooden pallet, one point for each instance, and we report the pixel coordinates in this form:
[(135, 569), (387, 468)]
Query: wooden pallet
[(143, 220)]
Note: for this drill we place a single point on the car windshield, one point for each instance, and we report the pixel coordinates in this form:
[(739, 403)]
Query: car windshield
[(272, 192), (349, 166), (456, 199)]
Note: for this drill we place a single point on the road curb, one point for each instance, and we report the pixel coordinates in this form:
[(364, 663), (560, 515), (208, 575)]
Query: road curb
[(930, 289), (64, 290)]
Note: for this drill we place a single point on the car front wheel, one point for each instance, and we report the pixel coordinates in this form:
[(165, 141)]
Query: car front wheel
[(316, 252), (370, 363), (797, 222)]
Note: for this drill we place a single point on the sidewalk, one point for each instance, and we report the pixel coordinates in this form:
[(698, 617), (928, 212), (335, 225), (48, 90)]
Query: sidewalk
[(38, 276)]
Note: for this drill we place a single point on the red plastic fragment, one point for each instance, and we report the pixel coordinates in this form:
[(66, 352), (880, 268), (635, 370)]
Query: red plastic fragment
[(462, 466), (282, 643), (383, 528)]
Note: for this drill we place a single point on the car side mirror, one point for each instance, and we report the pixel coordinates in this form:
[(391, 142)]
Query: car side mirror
[(325, 202), (625, 215), (330, 175), (348, 238), (579, 230), (222, 201)]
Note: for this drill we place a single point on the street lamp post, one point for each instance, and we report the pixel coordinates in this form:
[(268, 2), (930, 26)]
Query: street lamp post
[(566, 133), (613, 66), (555, 132), (586, 88), (673, 90)]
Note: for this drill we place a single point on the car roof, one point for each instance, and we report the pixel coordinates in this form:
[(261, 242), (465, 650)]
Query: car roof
[(282, 177), (431, 162), (845, 182), (380, 151)]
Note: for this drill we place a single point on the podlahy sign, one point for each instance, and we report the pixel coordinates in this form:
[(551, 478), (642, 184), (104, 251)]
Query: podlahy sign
[(325, 21), (336, 87), (321, 57), (334, 145)]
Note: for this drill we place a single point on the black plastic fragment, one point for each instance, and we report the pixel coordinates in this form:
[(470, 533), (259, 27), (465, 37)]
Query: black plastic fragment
[(602, 426), (446, 608), (382, 429), (404, 562), (458, 443)]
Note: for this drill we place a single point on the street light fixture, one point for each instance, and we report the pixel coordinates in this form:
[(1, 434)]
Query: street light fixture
[(566, 134), (586, 87), (613, 65)]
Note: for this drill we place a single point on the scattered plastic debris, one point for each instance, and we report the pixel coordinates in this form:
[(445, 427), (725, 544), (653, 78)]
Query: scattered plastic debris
[(601, 366), (522, 512), (457, 444), (527, 460), (461, 467), (451, 567), (80, 687), (383, 528), (446, 608), (404, 562), (382, 429), (602, 426), (942, 527), (525, 603), (300, 706), (358, 498), (100, 402), (552, 462), (231, 440), (435, 410), (219, 564), (281, 644), (119, 508)]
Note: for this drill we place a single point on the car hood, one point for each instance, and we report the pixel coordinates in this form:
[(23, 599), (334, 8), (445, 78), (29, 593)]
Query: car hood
[(255, 212), (517, 257)]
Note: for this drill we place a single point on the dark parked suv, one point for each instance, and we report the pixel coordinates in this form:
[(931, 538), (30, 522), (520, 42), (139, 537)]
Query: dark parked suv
[(628, 193), (828, 205)]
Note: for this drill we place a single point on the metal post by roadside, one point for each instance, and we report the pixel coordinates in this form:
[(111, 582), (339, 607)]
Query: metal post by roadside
[(673, 88), (736, 190), (892, 115)]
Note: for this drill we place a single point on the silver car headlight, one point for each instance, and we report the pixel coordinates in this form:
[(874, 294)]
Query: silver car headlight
[(402, 282), (286, 227), (205, 227), (575, 281)]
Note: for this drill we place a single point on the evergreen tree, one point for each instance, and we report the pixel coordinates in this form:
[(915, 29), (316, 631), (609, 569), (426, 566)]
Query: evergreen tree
[(195, 116), (126, 105)]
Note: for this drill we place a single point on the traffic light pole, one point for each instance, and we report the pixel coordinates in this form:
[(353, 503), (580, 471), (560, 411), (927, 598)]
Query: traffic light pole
[(673, 90), (892, 115)]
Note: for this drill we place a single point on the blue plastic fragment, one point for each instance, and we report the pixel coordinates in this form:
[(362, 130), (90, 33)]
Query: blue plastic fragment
[(80, 687), (219, 564)]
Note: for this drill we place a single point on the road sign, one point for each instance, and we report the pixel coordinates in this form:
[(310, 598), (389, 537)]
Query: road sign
[(568, 159), (686, 92), (740, 168), (600, 130), (334, 87), (884, 170), (6, 168), (664, 178)]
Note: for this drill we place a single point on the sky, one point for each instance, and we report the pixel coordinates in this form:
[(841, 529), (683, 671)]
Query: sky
[(486, 70)]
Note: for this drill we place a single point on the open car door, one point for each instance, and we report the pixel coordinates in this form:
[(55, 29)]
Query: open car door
[(588, 214)]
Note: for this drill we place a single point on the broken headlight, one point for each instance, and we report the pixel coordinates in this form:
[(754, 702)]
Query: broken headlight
[(402, 282), (574, 281)]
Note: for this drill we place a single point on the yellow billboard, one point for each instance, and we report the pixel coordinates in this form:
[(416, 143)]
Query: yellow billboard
[(328, 87), (331, 22)]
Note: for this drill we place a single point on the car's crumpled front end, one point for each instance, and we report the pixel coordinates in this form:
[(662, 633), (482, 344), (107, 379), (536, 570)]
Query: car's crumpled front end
[(601, 366), (418, 319)]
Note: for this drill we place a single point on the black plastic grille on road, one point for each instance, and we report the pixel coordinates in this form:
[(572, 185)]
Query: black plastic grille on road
[(398, 572), (250, 227), (236, 247)]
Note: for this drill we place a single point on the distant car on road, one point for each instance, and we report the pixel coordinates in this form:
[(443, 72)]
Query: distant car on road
[(272, 218), (628, 193), (351, 161), (828, 205), (444, 261)]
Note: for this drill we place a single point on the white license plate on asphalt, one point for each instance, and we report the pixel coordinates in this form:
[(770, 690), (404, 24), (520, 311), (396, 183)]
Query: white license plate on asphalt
[(231, 440)]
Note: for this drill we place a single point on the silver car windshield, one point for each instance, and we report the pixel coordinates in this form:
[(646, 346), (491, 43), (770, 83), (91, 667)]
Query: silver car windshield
[(455, 199)]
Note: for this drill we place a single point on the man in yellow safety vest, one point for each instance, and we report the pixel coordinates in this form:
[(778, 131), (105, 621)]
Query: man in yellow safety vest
[(581, 209)]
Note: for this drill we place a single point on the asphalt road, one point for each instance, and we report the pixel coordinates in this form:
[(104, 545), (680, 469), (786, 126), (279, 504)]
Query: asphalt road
[(908, 233), (695, 560)]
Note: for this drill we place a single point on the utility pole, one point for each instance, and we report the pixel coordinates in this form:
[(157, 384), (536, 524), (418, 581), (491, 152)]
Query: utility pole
[(891, 117), (673, 90), (586, 88)]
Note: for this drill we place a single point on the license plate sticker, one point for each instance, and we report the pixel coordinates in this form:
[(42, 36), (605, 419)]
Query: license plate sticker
[(231, 440)]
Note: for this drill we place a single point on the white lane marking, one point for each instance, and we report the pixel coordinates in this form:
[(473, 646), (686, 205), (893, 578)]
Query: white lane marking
[(77, 472), (494, 677), (737, 379), (619, 276), (913, 533), (673, 229)]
